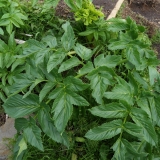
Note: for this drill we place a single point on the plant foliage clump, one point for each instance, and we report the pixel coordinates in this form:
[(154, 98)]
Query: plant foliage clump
[(114, 77)]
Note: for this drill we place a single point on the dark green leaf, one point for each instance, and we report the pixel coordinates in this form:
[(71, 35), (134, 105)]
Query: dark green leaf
[(105, 131), (68, 37), (83, 52), (17, 106), (100, 79), (48, 128), (140, 117), (68, 64), (33, 136), (20, 124), (112, 110), (55, 59)]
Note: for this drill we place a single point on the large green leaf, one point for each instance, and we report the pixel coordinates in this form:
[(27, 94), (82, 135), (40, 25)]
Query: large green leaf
[(55, 59), (83, 52), (136, 58), (46, 89), (68, 37), (133, 129), (112, 110), (140, 117), (100, 79), (87, 68), (117, 25), (109, 61), (154, 104), (68, 64), (153, 75), (75, 84), (32, 134), (119, 150), (48, 128), (105, 131), (20, 124), (63, 107), (17, 106), (121, 91)]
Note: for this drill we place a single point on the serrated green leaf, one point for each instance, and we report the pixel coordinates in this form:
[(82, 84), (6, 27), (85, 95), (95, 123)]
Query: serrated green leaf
[(55, 59), (105, 131), (46, 89), (155, 109), (22, 146), (119, 150), (50, 40), (118, 45), (87, 68), (153, 75), (20, 124), (68, 37), (144, 105), (117, 25), (68, 64), (33, 136), (48, 128), (100, 79), (109, 61), (75, 84), (140, 117), (63, 107), (133, 129), (83, 52), (17, 106), (112, 110), (121, 91), (9, 28), (130, 149)]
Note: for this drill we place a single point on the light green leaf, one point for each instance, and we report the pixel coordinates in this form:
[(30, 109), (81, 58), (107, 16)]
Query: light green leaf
[(9, 28), (140, 117), (153, 75), (109, 61), (117, 25), (118, 45), (63, 107), (1, 31), (105, 131), (100, 79), (112, 110), (48, 128), (155, 109), (68, 37), (87, 68), (46, 89), (75, 84), (17, 107), (22, 146), (130, 149), (83, 52), (55, 59), (121, 91), (33, 136), (119, 150), (68, 64), (133, 129), (50, 40)]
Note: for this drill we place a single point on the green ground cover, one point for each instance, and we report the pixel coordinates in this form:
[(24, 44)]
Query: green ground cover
[(79, 89)]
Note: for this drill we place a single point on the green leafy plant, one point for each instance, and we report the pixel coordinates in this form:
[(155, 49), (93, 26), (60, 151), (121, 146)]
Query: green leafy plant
[(11, 15), (61, 75), (84, 10)]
